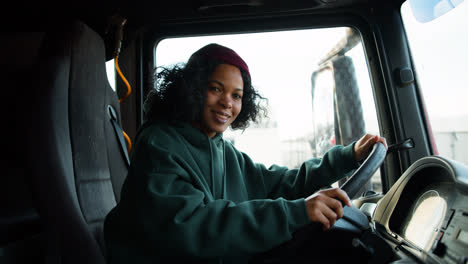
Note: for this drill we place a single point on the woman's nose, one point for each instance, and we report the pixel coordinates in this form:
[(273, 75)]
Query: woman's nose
[(226, 101)]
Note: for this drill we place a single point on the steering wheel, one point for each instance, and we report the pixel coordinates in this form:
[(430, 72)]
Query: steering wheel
[(353, 185), (353, 218), (353, 221), (363, 174)]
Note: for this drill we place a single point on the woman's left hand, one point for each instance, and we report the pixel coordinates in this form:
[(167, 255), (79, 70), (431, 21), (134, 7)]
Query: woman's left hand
[(363, 146)]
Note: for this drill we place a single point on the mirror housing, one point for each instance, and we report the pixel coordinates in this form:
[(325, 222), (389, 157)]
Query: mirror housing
[(428, 10)]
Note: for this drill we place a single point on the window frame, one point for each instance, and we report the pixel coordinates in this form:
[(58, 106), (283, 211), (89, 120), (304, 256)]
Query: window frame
[(376, 33)]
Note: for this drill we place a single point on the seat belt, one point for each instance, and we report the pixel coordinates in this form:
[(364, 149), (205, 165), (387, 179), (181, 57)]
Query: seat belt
[(118, 132)]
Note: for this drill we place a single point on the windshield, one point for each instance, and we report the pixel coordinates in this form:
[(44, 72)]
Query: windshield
[(440, 57)]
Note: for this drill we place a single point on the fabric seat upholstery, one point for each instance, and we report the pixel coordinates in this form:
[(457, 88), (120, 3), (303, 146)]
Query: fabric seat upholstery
[(77, 165)]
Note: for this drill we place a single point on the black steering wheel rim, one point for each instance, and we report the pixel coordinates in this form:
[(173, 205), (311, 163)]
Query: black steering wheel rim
[(353, 221), (365, 171)]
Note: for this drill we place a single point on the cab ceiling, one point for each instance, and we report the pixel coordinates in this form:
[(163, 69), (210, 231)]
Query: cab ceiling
[(139, 13)]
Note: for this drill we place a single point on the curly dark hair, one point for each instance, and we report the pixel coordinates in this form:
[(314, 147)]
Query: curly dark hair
[(181, 91)]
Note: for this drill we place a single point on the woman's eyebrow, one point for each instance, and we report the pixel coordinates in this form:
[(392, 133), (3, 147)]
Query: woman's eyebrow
[(219, 83), (222, 85)]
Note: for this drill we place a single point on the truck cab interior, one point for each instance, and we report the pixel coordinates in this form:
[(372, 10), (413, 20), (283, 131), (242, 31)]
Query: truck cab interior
[(77, 76)]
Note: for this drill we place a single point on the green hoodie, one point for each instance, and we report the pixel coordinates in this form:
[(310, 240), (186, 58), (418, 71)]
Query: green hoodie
[(190, 197)]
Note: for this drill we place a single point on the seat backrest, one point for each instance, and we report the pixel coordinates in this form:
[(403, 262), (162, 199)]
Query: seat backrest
[(77, 165)]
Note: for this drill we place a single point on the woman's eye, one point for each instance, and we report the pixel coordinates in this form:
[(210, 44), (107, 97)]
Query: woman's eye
[(213, 88), (237, 96)]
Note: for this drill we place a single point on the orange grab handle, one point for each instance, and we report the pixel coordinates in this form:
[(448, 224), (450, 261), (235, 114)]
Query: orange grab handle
[(127, 138), (129, 90)]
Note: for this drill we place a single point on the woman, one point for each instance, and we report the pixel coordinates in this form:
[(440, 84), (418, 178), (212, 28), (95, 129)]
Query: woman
[(191, 196)]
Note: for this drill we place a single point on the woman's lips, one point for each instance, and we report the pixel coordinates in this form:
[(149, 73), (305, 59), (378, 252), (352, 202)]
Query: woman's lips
[(221, 117)]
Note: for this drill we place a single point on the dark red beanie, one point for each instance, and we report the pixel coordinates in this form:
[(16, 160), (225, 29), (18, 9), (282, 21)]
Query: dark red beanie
[(220, 53)]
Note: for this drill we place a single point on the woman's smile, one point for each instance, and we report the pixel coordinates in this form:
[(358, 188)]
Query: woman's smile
[(221, 117)]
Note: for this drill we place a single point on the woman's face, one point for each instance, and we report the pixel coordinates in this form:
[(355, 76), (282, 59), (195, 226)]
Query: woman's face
[(223, 99)]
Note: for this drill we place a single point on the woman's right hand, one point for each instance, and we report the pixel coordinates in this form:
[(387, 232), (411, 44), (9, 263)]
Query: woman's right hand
[(325, 206)]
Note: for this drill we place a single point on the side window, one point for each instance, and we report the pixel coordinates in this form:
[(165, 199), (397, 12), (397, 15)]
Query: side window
[(315, 98)]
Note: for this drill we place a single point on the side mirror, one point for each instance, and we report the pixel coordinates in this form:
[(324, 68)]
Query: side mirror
[(428, 10)]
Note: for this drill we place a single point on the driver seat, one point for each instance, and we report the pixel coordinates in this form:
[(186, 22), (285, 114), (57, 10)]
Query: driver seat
[(76, 158)]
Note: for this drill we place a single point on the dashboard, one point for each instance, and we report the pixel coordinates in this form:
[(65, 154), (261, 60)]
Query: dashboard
[(425, 213)]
